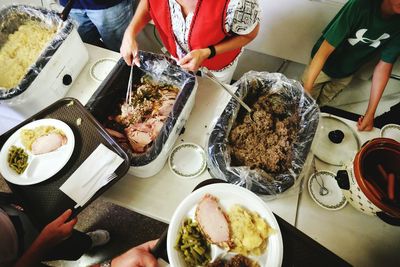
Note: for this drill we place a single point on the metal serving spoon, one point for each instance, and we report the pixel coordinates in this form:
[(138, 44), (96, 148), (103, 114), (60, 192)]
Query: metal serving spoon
[(212, 77), (323, 191)]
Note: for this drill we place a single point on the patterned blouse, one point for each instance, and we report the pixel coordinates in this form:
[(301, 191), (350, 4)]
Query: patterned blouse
[(242, 17)]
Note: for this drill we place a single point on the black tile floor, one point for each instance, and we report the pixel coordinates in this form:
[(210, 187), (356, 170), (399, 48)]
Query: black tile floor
[(127, 229)]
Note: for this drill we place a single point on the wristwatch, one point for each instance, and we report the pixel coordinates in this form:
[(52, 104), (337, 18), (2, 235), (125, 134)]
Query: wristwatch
[(106, 264), (212, 51)]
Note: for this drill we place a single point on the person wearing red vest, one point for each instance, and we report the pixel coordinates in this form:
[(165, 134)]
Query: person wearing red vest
[(198, 33)]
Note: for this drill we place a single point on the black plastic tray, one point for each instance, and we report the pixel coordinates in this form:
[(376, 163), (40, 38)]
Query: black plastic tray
[(45, 201)]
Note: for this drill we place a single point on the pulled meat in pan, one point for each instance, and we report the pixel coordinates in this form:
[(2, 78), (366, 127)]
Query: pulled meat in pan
[(263, 139), (139, 123)]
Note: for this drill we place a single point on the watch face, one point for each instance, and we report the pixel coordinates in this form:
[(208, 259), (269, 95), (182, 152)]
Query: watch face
[(106, 264)]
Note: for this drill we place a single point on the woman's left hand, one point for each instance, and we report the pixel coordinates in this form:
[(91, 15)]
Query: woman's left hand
[(193, 60)]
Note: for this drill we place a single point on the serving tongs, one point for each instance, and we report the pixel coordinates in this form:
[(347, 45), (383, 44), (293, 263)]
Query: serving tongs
[(210, 75), (128, 97)]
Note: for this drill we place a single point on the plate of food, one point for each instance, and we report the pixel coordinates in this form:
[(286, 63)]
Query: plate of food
[(221, 225), (36, 151)]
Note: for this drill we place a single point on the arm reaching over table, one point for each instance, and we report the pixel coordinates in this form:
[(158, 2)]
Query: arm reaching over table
[(129, 47), (139, 256), (55, 232), (380, 78)]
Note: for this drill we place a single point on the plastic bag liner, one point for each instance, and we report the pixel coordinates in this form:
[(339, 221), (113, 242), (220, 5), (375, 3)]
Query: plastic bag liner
[(111, 93), (257, 180), (11, 18)]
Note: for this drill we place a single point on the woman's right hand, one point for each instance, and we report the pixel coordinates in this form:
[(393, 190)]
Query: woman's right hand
[(129, 48)]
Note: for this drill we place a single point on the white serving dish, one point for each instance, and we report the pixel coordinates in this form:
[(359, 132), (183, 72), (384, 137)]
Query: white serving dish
[(48, 86)]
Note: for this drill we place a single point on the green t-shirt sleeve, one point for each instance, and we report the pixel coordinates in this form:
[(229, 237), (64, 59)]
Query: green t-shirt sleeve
[(341, 25), (391, 51)]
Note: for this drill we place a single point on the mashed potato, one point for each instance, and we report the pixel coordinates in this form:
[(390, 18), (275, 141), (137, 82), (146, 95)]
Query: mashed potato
[(21, 50), (249, 231)]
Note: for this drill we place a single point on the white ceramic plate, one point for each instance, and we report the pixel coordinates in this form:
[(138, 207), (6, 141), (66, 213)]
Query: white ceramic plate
[(335, 199), (187, 160), (228, 195), (391, 131), (40, 167), (101, 68)]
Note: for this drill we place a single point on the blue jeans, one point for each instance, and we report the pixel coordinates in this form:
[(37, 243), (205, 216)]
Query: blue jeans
[(107, 25)]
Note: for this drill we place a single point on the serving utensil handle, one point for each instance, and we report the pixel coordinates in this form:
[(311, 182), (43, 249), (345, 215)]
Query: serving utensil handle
[(64, 14), (161, 245), (212, 77)]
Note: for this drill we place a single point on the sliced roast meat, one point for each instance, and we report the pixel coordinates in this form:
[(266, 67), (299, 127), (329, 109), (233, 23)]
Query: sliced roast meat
[(48, 143), (213, 222)]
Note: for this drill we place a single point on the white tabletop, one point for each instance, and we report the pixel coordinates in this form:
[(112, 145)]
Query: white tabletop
[(158, 196), (359, 239)]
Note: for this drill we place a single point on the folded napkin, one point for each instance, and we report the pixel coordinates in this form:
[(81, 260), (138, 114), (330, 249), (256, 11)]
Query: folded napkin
[(92, 175)]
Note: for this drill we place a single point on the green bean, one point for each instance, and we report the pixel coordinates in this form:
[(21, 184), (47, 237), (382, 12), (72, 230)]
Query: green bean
[(192, 244), (17, 159)]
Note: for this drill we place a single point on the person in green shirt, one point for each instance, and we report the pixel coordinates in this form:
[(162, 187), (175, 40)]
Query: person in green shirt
[(360, 31)]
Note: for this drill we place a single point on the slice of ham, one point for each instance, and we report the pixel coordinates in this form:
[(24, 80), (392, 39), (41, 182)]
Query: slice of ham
[(213, 222), (142, 127), (166, 107), (138, 140), (155, 124), (48, 143)]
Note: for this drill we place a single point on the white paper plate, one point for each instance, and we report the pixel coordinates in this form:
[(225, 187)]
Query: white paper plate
[(391, 131), (228, 195), (101, 68), (335, 199), (40, 167), (187, 160)]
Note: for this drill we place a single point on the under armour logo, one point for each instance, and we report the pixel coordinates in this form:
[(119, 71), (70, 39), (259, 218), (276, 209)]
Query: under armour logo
[(360, 38)]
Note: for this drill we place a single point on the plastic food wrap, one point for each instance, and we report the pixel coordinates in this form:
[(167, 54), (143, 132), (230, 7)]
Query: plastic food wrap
[(11, 18), (257, 180), (111, 93)]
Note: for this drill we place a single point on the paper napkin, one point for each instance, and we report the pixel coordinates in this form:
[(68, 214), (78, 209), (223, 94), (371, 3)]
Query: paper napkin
[(90, 176)]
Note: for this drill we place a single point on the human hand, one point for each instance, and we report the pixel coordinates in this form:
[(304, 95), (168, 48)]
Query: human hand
[(57, 231), (193, 60), (366, 122), (129, 48), (139, 256)]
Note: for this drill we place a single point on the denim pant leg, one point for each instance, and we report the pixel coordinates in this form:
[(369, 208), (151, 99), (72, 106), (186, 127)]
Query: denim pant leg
[(86, 29), (112, 22)]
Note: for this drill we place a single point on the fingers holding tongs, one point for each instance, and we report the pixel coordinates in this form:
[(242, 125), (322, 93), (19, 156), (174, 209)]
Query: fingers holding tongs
[(135, 58)]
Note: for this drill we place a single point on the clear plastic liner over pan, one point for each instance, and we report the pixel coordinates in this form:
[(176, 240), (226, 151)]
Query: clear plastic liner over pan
[(258, 180), (11, 17), (108, 98)]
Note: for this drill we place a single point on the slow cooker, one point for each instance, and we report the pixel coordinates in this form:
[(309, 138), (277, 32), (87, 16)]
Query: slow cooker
[(55, 70), (372, 183), (107, 99)]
